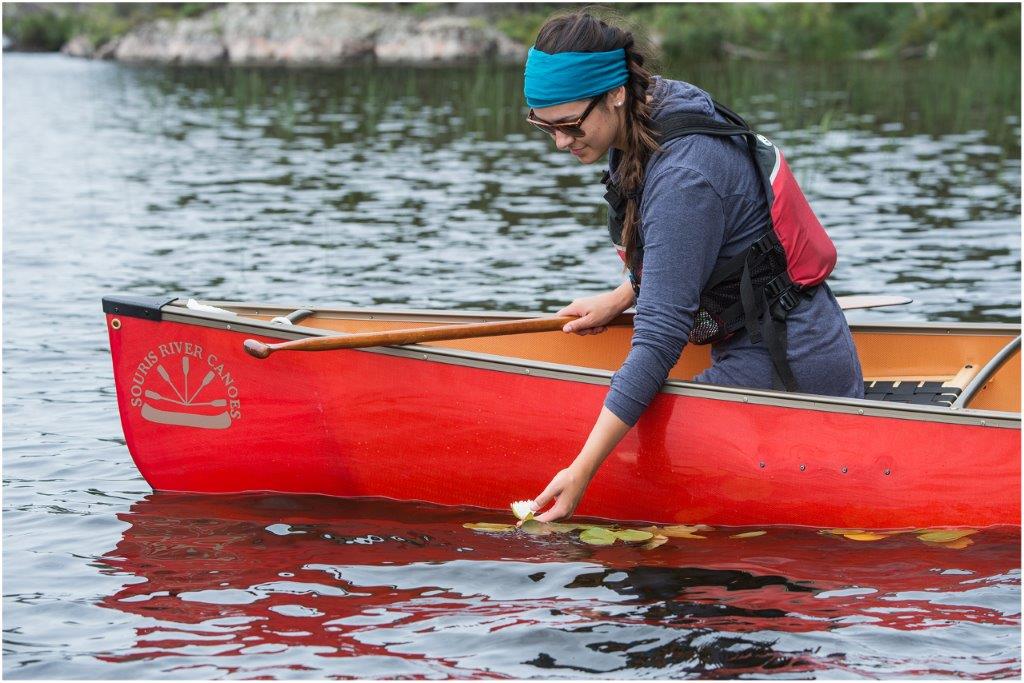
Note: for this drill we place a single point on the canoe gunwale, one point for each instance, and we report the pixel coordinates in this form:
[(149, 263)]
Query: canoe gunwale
[(468, 316), (240, 323)]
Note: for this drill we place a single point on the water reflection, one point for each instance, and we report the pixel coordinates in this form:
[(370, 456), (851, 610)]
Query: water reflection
[(403, 589)]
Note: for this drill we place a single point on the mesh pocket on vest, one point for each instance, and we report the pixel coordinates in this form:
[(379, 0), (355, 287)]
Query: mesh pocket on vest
[(719, 315)]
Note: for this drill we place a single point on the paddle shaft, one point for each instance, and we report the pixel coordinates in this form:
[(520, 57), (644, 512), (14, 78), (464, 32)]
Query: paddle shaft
[(413, 336), (258, 349)]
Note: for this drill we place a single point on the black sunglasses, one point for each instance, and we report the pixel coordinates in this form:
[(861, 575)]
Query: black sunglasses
[(573, 129)]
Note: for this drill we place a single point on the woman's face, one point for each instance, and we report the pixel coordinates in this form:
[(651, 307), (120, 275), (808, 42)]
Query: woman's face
[(603, 128)]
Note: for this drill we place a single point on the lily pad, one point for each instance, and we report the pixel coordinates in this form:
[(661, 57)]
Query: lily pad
[(657, 540), (598, 536), (842, 532), (946, 535), (958, 544), (490, 527), (688, 528), (633, 535), (535, 528), (749, 534), (864, 536), (678, 531)]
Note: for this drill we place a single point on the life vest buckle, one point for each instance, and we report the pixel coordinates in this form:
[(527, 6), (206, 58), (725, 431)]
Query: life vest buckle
[(763, 245), (778, 286), (788, 300)]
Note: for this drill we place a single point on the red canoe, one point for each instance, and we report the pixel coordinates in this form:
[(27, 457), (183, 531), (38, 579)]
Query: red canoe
[(487, 421)]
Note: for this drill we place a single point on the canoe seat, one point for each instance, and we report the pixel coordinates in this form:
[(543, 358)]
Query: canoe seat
[(928, 393)]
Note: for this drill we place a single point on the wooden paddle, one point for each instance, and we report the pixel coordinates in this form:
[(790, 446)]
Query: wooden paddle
[(414, 336), (258, 349)]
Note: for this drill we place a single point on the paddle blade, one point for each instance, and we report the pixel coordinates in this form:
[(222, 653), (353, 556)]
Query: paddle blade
[(858, 301)]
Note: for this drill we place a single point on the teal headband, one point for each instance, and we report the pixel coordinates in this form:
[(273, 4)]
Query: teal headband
[(562, 77)]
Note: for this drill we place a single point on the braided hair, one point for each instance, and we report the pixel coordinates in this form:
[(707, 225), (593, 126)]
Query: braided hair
[(582, 31)]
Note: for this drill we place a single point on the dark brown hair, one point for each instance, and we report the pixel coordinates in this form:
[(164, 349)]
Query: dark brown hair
[(584, 31)]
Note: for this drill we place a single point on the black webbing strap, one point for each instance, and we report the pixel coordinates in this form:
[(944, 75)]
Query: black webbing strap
[(729, 114), (755, 251), (677, 125), (743, 263), (750, 307), (727, 269), (779, 305), (782, 375)]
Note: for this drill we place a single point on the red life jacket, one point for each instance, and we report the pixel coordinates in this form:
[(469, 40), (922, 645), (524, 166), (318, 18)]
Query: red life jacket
[(781, 267)]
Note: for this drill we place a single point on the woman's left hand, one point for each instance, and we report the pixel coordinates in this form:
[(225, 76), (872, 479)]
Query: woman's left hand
[(566, 488), (595, 312)]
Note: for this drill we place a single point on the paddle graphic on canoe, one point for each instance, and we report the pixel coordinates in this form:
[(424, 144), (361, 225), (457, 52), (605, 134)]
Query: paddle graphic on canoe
[(177, 400)]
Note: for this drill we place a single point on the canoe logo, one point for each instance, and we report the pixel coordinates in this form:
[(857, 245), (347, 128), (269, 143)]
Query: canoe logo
[(179, 384)]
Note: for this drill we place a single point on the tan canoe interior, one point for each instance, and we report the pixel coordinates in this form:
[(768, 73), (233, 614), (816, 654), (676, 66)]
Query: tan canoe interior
[(954, 359)]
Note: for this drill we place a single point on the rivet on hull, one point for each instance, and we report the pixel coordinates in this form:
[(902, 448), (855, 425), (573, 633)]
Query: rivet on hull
[(887, 472), (115, 323), (844, 470), (761, 464), (803, 467)]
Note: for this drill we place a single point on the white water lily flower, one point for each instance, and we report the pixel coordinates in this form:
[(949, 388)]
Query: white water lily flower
[(523, 510)]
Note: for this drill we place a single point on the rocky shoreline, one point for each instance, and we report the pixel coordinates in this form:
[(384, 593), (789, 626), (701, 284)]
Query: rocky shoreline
[(305, 35)]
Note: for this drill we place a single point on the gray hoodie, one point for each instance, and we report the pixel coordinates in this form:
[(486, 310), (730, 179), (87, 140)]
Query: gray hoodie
[(702, 204)]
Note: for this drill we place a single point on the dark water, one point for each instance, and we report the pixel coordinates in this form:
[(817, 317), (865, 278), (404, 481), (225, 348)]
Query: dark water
[(426, 189)]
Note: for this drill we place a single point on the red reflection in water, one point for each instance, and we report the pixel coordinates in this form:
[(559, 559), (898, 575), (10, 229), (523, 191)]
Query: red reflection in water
[(260, 574)]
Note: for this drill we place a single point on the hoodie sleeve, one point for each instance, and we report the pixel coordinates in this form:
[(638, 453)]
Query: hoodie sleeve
[(683, 230)]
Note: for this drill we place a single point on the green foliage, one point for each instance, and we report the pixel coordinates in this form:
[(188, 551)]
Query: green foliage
[(37, 29), (523, 26), (46, 26), (809, 31), (982, 29), (193, 9)]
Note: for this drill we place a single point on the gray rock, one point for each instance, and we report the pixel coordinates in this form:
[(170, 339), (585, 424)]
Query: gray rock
[(445, 39), (186, 41), (298, 34), (79, 46), (302, 34), (107, 50)]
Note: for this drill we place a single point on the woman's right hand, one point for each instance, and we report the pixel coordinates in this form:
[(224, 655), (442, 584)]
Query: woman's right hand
[(566, 489), (595, 312)]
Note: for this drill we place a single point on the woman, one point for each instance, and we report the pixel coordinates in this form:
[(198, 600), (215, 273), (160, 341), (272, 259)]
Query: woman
[(686, 207)]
